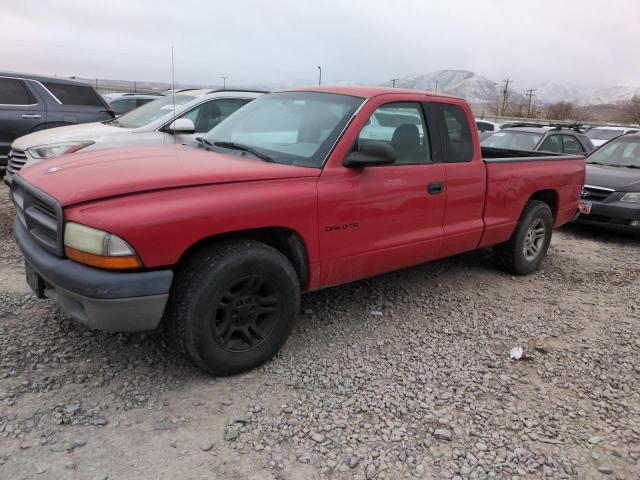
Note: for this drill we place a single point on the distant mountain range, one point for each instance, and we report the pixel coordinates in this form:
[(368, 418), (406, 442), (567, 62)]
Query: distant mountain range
[(478, 89)]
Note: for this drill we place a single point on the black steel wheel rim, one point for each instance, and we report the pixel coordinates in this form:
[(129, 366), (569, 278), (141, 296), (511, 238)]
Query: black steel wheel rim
[(246, 314)]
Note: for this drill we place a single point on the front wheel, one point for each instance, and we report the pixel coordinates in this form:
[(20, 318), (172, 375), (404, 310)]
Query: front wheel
[(528, 244), (233, 305)]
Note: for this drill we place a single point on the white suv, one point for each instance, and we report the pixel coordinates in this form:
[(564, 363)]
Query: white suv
[(601, 135), (174, 118)]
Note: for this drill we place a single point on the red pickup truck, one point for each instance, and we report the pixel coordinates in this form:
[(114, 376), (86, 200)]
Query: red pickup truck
[(297, 191)]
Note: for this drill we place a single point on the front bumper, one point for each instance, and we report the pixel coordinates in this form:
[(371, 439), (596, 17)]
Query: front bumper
[(617, 216), (101, 299)]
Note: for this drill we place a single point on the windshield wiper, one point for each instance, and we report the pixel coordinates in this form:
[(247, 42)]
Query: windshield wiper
[(245, 148), (113, 121), (204, 140), (595, 163)]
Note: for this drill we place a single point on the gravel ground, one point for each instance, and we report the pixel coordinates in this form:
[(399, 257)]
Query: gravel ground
[(406, 375)]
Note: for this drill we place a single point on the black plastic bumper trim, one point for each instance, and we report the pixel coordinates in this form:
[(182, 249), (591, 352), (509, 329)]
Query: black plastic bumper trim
[(88, 281)]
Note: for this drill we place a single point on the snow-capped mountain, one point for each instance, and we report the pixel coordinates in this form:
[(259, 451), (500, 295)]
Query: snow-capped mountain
[(461, 83), (617, 94), (478, 89), (552, 92), (561, 91)]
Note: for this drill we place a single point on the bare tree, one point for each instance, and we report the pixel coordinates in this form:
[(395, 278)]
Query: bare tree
[(561, 111), (632, 109)]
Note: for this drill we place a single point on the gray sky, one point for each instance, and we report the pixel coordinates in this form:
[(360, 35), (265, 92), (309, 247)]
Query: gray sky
[(280, 42)]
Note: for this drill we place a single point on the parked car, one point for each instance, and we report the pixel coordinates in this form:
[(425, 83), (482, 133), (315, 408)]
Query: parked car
[(544, 139), (196, 112), (288, 195), (600, 135), (30, 103), (122, 103), (611, 195), (486, 128)]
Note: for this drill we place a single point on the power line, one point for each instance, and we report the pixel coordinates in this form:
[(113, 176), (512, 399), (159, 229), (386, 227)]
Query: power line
[(505, 92), (529, 94)]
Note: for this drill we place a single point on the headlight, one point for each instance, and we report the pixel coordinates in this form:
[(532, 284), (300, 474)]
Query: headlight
[(57, 149), (98, 248), (633, 197)]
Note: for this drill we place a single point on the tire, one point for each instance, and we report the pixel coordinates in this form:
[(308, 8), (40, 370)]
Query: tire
[(529, 243), (233, 305)]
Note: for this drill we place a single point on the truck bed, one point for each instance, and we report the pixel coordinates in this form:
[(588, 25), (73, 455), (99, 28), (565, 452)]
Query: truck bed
[(514, 176)]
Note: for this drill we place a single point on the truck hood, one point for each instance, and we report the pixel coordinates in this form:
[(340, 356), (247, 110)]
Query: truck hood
[(69, 133), (621, 179), (97, 174)]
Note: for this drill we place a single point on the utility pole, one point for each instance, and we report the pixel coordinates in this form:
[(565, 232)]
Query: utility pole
[(319, 75), (224, 83), (529, 94), (393, 82), (436, 86), (505, 92)]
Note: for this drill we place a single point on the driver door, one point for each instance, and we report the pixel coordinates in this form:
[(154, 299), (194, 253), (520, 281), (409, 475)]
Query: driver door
[(382, 218)]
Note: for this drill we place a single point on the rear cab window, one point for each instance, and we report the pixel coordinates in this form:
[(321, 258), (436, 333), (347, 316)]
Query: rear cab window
[(453, 126), (78, 95)]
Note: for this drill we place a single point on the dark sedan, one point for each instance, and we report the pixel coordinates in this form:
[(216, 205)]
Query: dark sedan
[(611, 195), (545, 139)]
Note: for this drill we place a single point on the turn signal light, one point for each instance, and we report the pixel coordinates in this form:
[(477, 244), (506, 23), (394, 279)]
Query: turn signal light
[(111, 263)]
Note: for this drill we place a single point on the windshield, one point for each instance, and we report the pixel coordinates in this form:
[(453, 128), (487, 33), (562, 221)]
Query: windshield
[(293, 128), (623, 152), (151, 111), (603, 134), (513, 140)]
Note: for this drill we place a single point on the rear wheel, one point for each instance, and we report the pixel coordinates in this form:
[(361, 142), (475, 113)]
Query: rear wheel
[(233, 305), (528, 244)]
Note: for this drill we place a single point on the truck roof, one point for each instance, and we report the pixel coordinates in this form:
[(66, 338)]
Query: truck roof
[(364, 92)]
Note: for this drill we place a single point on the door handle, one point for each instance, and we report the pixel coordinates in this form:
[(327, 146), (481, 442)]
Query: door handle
[(31, 115), (435, 188)]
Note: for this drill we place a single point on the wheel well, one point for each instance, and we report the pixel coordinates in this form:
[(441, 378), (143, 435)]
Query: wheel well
[(285, 240), (550, 197)]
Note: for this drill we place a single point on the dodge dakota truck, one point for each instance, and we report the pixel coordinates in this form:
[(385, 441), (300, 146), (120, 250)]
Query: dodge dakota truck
[(297, 191)]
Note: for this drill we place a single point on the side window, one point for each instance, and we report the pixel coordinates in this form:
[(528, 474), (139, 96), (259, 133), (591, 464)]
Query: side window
[(552, 144), (14, 92), (455, 134), (123, 105), (74, 94), (209, 114), (484, 127), (402, 125), (571, 145)]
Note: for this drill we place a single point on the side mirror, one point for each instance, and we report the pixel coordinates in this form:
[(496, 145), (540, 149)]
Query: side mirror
[(181, 125), (371, 153)]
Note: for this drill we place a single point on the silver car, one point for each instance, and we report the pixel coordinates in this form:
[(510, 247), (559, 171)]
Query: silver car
[(174, 118)]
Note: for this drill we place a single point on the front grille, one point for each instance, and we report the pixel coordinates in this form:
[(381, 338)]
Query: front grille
[(40, 214), (17, 159), (591, 193)]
